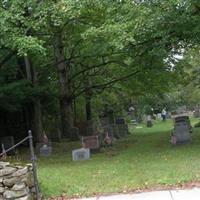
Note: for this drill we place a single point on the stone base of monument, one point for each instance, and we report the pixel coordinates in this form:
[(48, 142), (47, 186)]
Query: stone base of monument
[(81, 154)]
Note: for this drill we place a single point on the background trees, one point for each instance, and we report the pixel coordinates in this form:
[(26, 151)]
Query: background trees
[(63, 60)]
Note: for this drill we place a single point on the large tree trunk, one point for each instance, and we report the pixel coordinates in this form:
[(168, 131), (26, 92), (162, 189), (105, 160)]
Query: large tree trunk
[(65, 93), (36, 124), (88, 98), (88, 108)]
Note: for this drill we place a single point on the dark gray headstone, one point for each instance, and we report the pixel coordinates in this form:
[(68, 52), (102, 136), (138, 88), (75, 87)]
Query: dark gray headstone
[(149, 124), (45, 150), (123, 130), (8, 142), (120, 120), (182, 132)]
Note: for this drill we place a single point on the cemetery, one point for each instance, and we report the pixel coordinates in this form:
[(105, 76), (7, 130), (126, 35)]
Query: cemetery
[(98, 97)]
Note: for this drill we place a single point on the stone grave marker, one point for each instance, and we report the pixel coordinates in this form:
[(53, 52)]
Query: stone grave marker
[(120, 120), (8, 142), (123, 130), (91, 142), (45, 150), (182, 130), (81, 154)]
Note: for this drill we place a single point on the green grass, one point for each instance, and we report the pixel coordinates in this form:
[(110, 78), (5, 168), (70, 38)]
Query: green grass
[(145, 159)]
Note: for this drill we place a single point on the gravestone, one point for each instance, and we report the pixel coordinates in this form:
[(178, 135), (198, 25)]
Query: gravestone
[(81, 154), (120, 120), (123, 130), (115, 131), (91, 142), (182, 130), (149, 121), (8, 142), (45, 150)]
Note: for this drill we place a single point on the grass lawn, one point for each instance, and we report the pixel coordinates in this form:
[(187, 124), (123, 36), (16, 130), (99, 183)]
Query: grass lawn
[(145, 159)]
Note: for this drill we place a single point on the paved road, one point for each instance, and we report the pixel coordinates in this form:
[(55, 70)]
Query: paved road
[(190, 194)]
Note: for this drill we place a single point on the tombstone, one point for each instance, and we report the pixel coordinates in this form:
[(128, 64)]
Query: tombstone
[(45, 150), (149, 121), (120, 120), (182, 130), (115, 131), (123, 130), (91, 142), (74, 134), (8, 142), (81, 154)]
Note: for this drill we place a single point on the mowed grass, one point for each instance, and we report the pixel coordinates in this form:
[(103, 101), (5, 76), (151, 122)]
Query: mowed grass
[(145, 159)]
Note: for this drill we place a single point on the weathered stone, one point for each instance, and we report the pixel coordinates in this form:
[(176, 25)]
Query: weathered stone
[(7, 171), (20, 172), (10, 194), (9, 182), (33, 190), (1, 180), (28, 179), (3, 164), (2, 190), (19, 186), (28, 197)]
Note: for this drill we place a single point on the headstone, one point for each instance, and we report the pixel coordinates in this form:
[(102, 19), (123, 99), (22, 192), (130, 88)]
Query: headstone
[(115, 131), (149, 121), (45, 150), (123, 130), (81, 154), (120, 120), (91, 142), (8, 142), (182, 130)]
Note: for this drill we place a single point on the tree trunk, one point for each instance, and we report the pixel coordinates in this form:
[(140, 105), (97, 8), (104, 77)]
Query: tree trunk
[(88, 108), (65, 93), (37, 111)]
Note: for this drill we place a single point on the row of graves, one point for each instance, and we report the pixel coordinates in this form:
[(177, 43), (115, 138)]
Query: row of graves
[(110, 130), (91, 136)]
